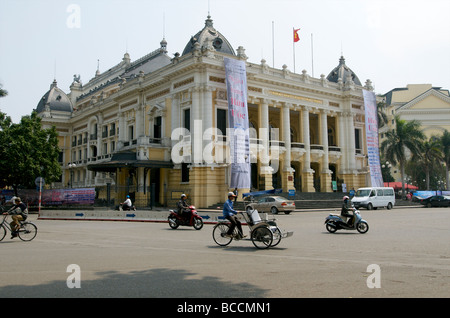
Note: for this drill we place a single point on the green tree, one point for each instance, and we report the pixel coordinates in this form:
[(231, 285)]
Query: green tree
[(27, 151), (3, 92), (445, 141), (407, 135), (430, 157)]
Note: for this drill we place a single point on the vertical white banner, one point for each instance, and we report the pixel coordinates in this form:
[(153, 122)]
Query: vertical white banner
[(238, 134), (373, 153)]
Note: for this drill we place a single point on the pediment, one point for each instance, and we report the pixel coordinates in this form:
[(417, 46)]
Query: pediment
[(430, 99)]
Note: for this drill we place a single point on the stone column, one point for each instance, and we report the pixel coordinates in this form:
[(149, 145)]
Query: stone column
[(326, 172), (265, 172), (287, 177), (196, 127), (122, 130), (307, 173)]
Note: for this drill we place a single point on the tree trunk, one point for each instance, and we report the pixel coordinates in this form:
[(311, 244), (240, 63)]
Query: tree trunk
[(447, 179), (402, 174)]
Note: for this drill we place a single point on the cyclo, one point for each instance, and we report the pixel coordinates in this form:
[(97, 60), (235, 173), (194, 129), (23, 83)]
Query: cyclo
[(263, 233)]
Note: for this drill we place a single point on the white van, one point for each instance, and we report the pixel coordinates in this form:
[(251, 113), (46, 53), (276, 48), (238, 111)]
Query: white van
[(374, 198)]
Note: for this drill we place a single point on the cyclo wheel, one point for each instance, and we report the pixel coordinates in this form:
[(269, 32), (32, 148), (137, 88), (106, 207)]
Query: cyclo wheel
[(276, 237), (2, 232), (218, 234), (262, 237), (27, 231)]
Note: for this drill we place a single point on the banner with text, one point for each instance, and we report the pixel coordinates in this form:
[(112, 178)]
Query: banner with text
[(373, 153), (236, 80)]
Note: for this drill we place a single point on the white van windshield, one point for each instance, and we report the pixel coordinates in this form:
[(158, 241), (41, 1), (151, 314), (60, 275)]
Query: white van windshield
[(362, 193)]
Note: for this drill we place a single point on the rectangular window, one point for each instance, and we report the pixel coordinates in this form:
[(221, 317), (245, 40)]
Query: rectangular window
[(222, 121), (157, 125), (187, 119), (184, 172), (358, 139), (130, 132)]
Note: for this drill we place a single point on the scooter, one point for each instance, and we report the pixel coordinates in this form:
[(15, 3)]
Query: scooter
[(120, 208), (175, 219), (335, 222)]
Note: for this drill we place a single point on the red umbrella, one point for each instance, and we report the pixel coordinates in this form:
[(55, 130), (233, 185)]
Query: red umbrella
[(398, 185)]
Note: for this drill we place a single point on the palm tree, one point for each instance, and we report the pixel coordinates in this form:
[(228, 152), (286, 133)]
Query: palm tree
[(407, 135), (3, 92), (381, 114), (430, 157), (445, 141)]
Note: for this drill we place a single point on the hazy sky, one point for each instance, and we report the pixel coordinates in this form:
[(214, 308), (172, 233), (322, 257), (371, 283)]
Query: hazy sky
[(391, 42)]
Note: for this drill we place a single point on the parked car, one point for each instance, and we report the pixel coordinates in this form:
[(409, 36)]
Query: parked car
[(272, 204), (436, 200)]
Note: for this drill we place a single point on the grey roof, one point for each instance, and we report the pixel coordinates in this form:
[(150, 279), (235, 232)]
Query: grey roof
[(54, 100), (148, 63), (219, 42), (342, 71)]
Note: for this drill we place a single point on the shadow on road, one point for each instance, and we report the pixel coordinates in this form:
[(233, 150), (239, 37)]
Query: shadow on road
[(153, 283)]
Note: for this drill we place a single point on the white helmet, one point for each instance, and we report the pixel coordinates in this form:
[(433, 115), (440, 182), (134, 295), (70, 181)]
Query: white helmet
[(231, 194), (345, 198)]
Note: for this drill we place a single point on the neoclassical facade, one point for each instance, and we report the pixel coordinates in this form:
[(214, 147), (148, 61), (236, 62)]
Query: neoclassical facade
[(424, 102), (148, 123)]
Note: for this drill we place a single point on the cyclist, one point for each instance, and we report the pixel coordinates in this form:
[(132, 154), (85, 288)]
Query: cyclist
[(18, 212)]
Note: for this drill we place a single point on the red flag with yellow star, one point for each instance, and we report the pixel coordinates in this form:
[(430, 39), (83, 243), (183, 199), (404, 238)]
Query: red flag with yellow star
[(296, 37)]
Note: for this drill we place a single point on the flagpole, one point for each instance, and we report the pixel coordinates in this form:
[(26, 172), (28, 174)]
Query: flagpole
[(312, 55), (273, 48), (293, 45)]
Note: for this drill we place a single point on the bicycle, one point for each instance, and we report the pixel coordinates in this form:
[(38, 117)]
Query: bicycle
[(27, 230)]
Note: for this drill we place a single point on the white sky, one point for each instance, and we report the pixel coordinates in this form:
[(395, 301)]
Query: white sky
[(391, 42)]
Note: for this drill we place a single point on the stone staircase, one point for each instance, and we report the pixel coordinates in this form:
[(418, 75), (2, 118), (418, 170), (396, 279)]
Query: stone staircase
[(314, 200)]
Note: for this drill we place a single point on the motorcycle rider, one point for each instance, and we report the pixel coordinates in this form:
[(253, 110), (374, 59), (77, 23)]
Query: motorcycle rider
[(126, 206), (346, 207), (183, 207)]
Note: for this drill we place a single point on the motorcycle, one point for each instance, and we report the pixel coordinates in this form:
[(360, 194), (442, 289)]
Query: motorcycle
[(120, 208), (195, 220), (335, 222)]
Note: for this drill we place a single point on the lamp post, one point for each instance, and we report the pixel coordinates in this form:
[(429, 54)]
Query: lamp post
[(71, 167), (387, 165)]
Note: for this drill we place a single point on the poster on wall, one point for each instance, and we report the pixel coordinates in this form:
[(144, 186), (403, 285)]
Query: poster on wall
[(238, 133), (53, 197), (373, 153)]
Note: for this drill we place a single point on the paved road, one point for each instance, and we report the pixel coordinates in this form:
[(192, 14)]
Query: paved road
[(133, 259)]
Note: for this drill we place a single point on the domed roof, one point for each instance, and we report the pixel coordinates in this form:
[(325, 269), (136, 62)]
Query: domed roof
[(55, 99), (219, 42), (342, 71)]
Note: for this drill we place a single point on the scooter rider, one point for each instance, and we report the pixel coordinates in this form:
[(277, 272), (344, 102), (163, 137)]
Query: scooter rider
[(346, 207), (126, 205), (183, 207)]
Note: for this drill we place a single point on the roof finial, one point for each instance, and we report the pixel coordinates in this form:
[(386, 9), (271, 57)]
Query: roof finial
[(97, 73), (209, 22)]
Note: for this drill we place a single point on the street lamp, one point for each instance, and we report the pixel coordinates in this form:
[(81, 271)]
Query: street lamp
[(387, 165), (71, 167)]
